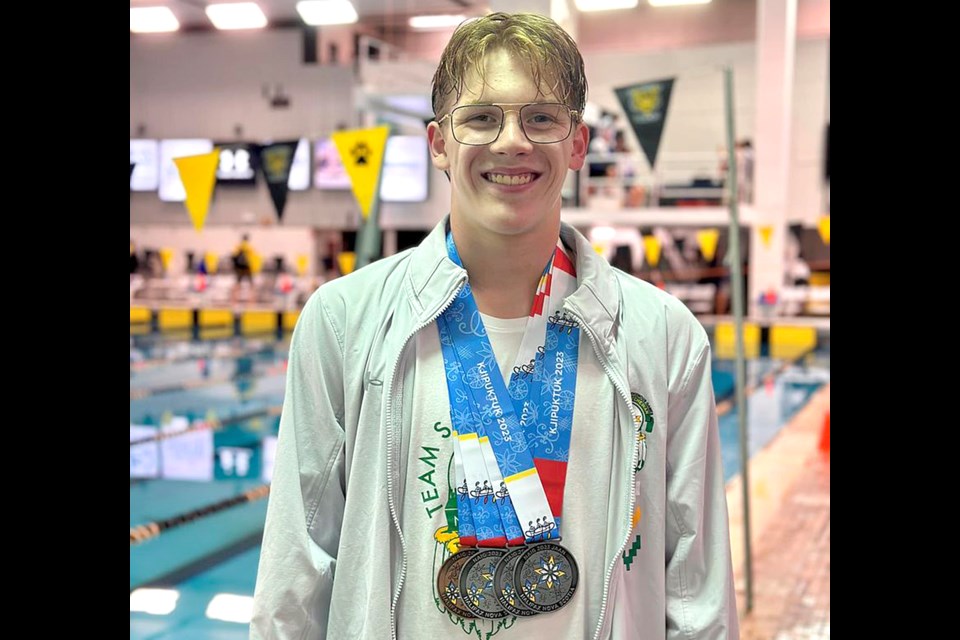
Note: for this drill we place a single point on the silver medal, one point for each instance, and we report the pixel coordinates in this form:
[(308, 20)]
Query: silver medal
[(546, 577), (476, 583)]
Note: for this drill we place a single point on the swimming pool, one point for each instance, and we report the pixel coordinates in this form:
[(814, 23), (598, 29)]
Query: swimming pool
[(780, 390), (233, 390)]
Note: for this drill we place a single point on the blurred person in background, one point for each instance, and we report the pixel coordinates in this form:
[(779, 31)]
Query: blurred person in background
[(242, 268), (498, 386)]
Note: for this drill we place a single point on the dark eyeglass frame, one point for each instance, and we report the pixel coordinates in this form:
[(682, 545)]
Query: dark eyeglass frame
[(574, 117)]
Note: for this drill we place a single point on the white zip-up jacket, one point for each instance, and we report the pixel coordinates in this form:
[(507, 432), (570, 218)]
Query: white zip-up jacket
[(332, 563)]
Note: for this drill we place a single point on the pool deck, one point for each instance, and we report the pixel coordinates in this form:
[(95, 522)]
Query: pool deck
[(790, 531)]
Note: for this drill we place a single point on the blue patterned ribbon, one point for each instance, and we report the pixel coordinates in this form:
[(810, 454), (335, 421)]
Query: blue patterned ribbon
[(502, 465)]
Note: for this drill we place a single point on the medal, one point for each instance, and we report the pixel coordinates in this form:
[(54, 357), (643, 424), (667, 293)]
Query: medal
[(448, 582), (546, 576), (476, 583), (503, 584), (507, 435)]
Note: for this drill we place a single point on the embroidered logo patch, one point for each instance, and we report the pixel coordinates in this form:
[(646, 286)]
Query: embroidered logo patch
[(644, 421)]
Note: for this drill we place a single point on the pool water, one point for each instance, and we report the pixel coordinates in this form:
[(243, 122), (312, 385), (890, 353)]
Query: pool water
[(240, 382)]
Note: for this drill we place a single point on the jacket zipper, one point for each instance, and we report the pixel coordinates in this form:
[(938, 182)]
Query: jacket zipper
[(390, 452), (623, 545)]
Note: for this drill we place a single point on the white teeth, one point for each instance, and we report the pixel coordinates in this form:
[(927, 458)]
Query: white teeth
[(499, 178)]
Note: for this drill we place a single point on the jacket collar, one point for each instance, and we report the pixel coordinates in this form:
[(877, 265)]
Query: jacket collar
[(597, 300), (433, 276)]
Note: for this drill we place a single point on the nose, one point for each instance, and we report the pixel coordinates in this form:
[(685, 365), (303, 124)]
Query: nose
[(512, 140)]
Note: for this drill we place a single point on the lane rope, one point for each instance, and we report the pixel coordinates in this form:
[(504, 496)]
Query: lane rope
[(150, 530), (215, 424)]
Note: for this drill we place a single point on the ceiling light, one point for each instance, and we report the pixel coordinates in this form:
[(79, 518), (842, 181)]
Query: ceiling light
[(159, 602), (604, 5), (152, 20), (676, 3), (326, 12), (230, 608), (236, 15), (435, 22)]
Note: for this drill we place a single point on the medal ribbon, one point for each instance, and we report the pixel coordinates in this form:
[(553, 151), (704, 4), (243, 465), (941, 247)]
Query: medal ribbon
[(508, 470), (551, 382)]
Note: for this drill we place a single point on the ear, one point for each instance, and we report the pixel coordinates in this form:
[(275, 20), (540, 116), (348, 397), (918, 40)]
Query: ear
[(581, 140), (438, 147)]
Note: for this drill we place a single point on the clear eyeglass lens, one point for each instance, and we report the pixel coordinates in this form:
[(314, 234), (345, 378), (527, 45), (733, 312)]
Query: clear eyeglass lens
[(542, 123)]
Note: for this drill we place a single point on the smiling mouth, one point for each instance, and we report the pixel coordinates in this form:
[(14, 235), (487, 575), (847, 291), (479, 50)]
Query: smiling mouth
[(511, 180)]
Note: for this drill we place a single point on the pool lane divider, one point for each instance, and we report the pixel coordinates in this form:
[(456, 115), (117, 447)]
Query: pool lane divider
[(215, 424), (150, 530), (139, 365), (139, 394)]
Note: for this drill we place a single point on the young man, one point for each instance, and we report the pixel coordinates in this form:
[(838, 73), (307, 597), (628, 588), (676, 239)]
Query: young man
[(496, 434)]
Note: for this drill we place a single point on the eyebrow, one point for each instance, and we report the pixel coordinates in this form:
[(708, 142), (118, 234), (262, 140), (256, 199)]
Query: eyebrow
[(512, 104)]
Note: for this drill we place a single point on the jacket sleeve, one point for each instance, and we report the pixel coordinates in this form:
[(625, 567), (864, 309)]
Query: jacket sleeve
[(700, 596), (298, 556)]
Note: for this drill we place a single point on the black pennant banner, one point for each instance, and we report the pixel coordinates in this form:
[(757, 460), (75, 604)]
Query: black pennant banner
[(275, 162), (646, 107)]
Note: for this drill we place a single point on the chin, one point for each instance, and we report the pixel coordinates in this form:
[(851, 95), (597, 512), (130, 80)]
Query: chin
[(512, 221), (502, 217)]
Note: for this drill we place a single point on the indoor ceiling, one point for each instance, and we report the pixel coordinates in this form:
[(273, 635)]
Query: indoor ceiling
[(190, 13)]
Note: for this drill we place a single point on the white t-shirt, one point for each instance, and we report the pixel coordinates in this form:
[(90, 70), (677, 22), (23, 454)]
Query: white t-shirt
[(428, 507), (505, 336)]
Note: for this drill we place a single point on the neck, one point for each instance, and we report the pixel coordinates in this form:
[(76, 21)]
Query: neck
[(504, 270)]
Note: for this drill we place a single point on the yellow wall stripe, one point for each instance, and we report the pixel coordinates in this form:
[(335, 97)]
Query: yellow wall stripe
[(788, 342), (725, 340), (290, 319), (215, 318), (139, 314), (251, 321), (175, 318)]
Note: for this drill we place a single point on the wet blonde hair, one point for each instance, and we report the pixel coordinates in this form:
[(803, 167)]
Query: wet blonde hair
[(554, 61)]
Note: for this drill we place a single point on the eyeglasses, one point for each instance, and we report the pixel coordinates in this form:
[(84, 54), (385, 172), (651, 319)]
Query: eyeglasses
[(541, 122)]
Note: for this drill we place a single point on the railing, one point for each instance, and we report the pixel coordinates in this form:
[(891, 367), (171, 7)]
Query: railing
[(625, 180)]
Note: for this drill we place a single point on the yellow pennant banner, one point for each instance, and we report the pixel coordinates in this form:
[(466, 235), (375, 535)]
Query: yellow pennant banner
[(362, 151), (766, 233), (823, 226), (347, 260), (707, 240), (199, 175), (651, 250)]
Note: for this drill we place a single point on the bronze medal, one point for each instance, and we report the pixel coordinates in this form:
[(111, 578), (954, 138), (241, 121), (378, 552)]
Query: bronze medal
[(504, 587), (546, 577), (448, 582), (476, 583)]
